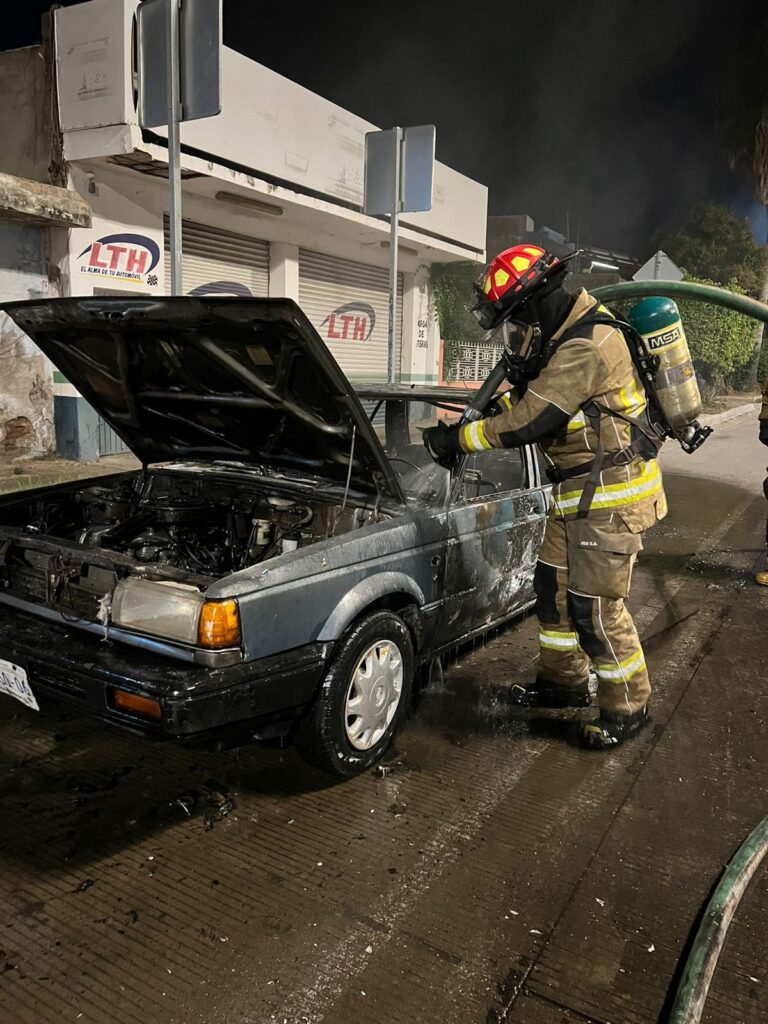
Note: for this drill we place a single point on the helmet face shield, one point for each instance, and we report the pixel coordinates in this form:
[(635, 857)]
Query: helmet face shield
[(485, 314), (514, 337), (485, 310)]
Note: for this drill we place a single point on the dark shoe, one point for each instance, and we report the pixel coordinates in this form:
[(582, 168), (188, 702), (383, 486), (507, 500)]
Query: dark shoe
[(610, 730), (543, 694)]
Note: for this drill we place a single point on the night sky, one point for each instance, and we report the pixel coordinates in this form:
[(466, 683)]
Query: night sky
[(597, 115)]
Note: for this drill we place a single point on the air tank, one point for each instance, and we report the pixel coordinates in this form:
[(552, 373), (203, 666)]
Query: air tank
[(657, 319)]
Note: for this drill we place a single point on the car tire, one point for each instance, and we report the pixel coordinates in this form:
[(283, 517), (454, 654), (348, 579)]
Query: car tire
[(371, 671)]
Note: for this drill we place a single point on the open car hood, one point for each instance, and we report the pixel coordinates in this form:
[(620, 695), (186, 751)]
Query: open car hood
[(213, 379)]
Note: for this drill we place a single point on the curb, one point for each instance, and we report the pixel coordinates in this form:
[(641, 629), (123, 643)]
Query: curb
[(730, 414)]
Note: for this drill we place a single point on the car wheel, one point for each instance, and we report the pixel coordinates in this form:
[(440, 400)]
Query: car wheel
[(364, 697)]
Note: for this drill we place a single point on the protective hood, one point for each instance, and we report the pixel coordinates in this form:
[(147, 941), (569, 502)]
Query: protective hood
[(212, 379)]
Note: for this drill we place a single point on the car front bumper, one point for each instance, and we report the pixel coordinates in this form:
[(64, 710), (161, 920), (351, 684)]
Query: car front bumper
[(65, 665)]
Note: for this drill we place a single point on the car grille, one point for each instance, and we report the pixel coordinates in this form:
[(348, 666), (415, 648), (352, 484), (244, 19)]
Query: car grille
[(71, 688), (27, 583), (76, 597)]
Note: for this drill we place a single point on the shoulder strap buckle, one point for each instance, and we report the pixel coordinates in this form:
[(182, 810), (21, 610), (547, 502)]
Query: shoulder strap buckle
[(625, 456)]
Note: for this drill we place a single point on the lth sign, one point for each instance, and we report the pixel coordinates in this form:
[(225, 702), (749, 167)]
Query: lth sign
[(353, 321), (127, 256)]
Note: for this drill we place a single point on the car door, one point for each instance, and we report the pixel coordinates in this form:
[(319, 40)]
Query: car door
[(494, 527)]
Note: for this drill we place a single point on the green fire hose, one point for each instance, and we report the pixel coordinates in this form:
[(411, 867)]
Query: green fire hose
[(630, 290), (685, 290), (699, 969), (694, 985)]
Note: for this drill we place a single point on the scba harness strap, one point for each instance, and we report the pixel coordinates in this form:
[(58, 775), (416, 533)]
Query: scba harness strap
[(645, 445)]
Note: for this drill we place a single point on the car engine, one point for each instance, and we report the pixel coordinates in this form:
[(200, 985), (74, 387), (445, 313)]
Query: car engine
[(196, 523)]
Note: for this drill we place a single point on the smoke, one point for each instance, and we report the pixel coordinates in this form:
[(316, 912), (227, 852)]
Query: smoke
[(745, 205), (602, 114), (617, 117)]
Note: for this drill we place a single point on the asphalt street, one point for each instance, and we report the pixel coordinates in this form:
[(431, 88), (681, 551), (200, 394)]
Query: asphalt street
[(489, 871)]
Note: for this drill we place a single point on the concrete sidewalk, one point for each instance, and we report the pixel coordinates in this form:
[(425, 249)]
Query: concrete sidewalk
[(20, 476), (737, 408)]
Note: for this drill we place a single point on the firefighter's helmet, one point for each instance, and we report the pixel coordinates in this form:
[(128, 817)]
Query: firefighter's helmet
[(509, 281)]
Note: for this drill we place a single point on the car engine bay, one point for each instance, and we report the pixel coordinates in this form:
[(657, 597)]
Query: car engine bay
[(76, 540), (196, 523)]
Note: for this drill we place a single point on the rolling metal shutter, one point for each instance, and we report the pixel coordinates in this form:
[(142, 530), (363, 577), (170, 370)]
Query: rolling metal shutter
[(216, 262), (109, 442), (348, 303)]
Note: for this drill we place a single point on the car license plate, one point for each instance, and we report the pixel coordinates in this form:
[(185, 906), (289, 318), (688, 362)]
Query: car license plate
[(13, 681)]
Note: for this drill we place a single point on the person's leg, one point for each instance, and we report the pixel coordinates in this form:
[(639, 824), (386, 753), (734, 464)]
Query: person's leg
[(601, 555), (609, 636), (563, 671)]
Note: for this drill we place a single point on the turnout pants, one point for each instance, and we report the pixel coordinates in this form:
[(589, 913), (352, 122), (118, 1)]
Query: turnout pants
[(582, 579)]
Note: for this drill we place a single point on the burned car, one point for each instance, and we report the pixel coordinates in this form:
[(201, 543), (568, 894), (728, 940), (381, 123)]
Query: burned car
[(286, 557)]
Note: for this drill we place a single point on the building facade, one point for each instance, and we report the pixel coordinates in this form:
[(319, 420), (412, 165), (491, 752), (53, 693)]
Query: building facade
[(36, 214), (272, 199)]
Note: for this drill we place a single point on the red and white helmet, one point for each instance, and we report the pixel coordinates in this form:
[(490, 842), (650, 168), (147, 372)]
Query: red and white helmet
[(510, 279)]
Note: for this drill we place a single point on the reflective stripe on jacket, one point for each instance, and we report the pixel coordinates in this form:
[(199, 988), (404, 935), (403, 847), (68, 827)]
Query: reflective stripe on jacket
[(597, 366)]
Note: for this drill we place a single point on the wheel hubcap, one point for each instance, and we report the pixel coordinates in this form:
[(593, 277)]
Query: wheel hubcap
[(374, 694)]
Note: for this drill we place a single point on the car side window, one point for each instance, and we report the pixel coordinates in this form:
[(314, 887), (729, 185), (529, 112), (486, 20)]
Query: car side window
[(401, 435), (493, 472)]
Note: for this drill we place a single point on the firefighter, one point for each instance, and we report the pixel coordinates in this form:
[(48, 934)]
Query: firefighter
[(762, 577), (577, 394)]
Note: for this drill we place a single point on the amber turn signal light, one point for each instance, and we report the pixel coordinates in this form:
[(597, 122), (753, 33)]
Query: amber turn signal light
[(219, 624), (141, 705)]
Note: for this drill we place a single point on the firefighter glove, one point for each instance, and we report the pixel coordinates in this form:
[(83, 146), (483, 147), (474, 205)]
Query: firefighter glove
[(442, 443), (764, 431)]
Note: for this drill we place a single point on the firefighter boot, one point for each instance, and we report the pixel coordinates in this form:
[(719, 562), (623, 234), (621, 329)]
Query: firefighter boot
[(543, 694), (610, 729)]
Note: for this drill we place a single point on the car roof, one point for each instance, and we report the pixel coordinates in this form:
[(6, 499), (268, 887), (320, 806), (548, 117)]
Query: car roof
[(459, 395)]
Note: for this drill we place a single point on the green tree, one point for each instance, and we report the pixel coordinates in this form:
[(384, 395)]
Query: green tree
[(716, 245), (721, 341), (454, 297), (742, 126)]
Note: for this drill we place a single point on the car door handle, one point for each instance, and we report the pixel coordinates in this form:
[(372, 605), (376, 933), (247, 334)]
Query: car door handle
[(533, 507)]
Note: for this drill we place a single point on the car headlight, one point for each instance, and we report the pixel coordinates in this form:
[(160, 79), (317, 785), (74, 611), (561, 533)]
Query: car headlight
[(175, 611)]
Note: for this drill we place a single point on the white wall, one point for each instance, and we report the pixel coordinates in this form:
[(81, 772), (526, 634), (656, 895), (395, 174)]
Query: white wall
[(421, 337), (123, 204), (131, 205), (284, 271), (268, 124)]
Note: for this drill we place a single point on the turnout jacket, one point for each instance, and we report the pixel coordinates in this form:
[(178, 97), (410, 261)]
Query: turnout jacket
[(597, 366)]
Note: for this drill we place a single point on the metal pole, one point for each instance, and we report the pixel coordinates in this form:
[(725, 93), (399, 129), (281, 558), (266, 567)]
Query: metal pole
[(174, 146), (397, 202)]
